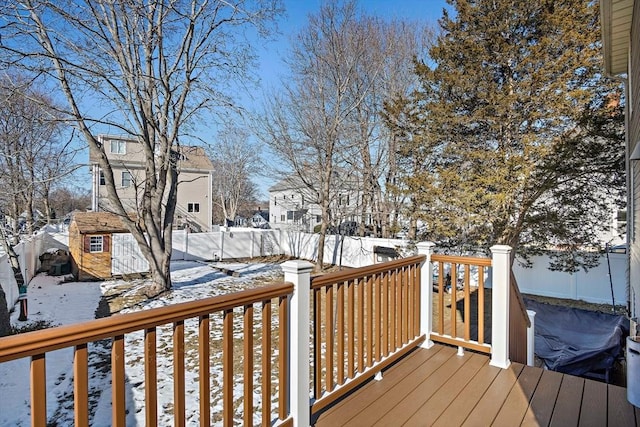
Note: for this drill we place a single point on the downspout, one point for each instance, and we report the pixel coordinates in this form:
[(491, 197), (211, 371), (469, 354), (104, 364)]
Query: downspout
[(210, 203), (629, 156), (95, 186)]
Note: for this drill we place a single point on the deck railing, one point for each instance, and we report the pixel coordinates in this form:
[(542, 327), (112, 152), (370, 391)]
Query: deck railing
[(462, 310), (37, 344), (350, 325), (519, 325), (364, 319)]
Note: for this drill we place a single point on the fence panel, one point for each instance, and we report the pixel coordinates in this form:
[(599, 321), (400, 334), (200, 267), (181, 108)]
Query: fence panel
[(591, 286), (8, 282), (203, 246)]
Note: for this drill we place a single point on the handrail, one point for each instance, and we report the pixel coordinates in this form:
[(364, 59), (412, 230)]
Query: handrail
[(446, 328), (77, 337), (457, 259), (364, 319), (46, 340), (521, 304), (342, 276)]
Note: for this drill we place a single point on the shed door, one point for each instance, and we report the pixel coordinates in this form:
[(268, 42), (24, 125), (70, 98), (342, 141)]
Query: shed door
[(126, 256)]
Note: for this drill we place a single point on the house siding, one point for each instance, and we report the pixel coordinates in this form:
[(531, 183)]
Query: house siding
[(194, 187), (194, 181), (633, 111)]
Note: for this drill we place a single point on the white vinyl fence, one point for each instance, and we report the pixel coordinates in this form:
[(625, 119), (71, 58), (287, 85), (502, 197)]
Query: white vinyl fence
[(29, 252), (592, 286)]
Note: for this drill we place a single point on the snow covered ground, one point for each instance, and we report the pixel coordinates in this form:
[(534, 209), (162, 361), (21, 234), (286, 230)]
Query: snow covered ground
[(65, 303)]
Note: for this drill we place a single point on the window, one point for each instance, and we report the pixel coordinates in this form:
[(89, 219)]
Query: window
[(118, 146), (126, 179), (96, 244), (289, 215), (102, 181), (193, 207), (282, 218)]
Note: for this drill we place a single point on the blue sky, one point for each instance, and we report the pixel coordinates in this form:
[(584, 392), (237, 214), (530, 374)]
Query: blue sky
[(296, 17)]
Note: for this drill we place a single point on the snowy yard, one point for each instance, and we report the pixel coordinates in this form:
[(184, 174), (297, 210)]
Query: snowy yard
[(67, 303)]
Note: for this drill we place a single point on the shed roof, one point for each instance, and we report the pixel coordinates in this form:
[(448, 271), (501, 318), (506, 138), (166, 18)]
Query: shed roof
[(99, 222)]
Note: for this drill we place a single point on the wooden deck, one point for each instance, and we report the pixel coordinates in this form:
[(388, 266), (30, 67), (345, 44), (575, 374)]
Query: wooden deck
[(437, 387)]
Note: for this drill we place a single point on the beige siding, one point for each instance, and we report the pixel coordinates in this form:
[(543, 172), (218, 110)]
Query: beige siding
[(194, 188)]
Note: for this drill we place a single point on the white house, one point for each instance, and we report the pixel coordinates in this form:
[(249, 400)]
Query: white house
[(292, 204)]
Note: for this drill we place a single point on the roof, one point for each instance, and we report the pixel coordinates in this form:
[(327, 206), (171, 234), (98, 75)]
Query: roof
[(288, 183), (616, 17), (194, 158), (98, 222)]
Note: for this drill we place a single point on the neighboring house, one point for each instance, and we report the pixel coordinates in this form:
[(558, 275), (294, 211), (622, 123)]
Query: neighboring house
[(260, 219), (294, 205), (101, 247), (194, 207), (621, 49)]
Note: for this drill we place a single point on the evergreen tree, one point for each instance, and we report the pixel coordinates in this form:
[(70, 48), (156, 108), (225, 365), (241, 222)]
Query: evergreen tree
[(529, 134)]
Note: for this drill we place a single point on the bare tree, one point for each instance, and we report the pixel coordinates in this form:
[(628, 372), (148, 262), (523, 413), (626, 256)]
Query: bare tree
[(305, 125), (65, 198), (234, 160), (29, 131), (385, 52), (57, 164), (144, 69)]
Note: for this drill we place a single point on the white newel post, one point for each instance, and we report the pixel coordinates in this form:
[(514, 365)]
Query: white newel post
[(299, 273), (531, 346), (501, 266), (426, 292)]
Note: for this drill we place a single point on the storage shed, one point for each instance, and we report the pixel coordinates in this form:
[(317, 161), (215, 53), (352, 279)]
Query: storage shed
[(90, 238)]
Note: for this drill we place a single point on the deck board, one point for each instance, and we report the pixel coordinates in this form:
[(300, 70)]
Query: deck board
[(619, 415), (353, 404), (594, 412), (436, 387), (419, 395), (493, 399), (544, 399), (398, 394), (515, 406), (429, 412), (459, 409), (568, 402)]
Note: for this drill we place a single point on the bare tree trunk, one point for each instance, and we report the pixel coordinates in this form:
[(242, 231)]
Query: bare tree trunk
[(5, 318), (14, 261)]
